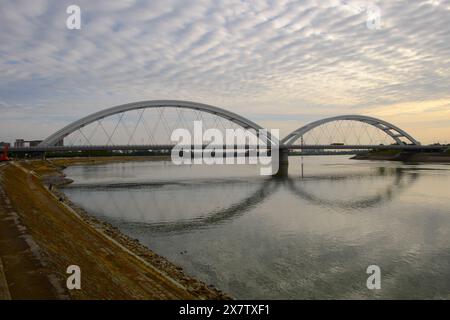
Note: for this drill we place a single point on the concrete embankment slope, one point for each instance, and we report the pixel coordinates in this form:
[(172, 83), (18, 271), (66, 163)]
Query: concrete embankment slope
[(40, 236)]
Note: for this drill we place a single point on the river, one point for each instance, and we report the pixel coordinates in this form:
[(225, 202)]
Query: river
[(311, 235)]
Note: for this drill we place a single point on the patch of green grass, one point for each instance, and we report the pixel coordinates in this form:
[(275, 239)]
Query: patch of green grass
[(384, 152)]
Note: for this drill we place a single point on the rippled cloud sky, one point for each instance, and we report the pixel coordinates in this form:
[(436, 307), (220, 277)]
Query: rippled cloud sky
[(281, 63)]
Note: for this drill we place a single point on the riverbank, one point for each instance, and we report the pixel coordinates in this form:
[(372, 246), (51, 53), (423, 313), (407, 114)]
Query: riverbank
[(47, 233), (405, 157)]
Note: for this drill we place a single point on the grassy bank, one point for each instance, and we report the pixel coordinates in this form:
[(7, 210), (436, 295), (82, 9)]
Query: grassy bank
[(113, 266)]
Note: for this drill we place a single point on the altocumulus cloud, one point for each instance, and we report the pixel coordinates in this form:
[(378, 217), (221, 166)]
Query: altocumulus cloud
[(304, 58)]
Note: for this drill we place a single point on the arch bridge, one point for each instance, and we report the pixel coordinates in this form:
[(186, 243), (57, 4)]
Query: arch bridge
[(147, 125)]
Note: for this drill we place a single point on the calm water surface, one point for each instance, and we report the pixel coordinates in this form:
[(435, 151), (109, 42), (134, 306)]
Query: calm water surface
[(311, 235)]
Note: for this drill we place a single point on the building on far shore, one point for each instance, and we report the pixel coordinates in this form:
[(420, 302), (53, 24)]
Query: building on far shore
[(26, 143), (19, 143)]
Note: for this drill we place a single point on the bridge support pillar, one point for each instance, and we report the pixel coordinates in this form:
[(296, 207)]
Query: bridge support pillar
[(283, 168)]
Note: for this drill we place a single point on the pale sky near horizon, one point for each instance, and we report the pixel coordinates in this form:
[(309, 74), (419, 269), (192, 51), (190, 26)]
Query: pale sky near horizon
[(281, 63)]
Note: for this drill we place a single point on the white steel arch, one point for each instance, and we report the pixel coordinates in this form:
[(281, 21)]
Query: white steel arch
[(72, 127), (393, 131)]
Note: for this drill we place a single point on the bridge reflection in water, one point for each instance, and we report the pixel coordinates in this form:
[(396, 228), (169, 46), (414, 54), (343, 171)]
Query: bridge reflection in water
[(250, 195)]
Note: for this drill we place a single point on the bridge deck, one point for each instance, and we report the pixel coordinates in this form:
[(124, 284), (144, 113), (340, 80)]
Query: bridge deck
[(242, 147)]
